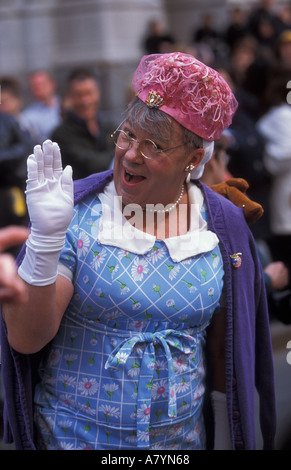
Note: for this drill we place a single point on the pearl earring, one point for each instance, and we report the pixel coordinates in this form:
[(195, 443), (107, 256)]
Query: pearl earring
[(189, 168)]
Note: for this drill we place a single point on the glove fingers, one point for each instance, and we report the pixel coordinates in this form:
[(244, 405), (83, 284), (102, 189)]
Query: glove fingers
[(32, 168), (39, 159), (57, 160), (47, 147), (67, 182)]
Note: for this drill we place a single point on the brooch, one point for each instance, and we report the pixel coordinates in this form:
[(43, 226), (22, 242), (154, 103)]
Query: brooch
[(154, 100), (236, 259)]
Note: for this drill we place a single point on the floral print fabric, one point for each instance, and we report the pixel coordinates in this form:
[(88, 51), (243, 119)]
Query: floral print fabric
[(126, 368)]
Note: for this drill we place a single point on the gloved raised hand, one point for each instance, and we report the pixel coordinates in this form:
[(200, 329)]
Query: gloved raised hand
[(49, 197)]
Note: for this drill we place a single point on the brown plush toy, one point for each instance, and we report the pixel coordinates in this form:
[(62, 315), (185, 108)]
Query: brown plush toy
[(235, 189)]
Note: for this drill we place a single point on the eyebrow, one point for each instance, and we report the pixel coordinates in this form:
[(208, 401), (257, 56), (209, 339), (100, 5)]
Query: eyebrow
[(149, 129)]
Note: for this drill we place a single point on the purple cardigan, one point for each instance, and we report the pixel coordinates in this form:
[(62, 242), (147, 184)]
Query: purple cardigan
[(249, 358)]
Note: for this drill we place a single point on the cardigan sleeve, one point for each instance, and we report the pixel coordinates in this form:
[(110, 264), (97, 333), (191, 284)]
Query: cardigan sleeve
[(248, 339), (252, 347), (264, 365)]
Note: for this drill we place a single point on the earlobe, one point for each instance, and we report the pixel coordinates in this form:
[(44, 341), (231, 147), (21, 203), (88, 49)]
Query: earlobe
[(189, 168), (197, 157)]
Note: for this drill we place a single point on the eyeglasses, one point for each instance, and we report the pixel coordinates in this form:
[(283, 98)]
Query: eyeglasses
[(146, 147)]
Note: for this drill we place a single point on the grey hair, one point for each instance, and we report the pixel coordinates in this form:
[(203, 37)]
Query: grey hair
[(158, 124)]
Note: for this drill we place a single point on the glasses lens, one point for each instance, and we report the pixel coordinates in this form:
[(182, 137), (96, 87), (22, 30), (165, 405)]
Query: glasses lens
[(121, 139), (148, 148)]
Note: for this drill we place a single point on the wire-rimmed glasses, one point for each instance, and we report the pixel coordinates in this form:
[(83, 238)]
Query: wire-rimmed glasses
[(147, 147)]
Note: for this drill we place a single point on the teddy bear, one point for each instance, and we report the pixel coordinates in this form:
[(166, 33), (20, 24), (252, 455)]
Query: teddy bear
[(235, 190)]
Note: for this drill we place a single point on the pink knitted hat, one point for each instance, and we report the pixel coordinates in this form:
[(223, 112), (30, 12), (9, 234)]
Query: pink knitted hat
[(192, 93)]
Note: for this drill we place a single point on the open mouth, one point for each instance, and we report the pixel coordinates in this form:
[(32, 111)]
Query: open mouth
[(132, 178)]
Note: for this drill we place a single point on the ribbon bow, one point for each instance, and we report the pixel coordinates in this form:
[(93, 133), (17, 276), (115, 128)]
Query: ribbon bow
[(166, 339)]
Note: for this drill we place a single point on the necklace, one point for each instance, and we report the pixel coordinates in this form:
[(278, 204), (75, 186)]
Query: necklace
[(162, 211)]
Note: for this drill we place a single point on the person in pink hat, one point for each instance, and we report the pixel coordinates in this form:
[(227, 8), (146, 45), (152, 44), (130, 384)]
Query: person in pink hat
[(146, 295)]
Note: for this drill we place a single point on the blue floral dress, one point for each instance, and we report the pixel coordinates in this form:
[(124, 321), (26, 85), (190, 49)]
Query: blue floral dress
[(126, 369)]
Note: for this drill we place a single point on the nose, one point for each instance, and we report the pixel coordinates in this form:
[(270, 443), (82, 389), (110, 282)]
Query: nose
[(133, 153)]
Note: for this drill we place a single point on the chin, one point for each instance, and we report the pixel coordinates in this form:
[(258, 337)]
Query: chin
[(131, 199)]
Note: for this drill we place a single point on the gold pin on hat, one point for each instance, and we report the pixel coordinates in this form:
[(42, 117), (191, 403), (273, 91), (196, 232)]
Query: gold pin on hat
[(154, 100)]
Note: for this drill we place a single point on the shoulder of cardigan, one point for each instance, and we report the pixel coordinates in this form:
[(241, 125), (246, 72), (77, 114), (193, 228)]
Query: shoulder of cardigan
[(93, 183)]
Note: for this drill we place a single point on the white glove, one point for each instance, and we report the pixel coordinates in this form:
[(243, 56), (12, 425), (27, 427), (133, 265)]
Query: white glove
[(222, 440), (49, 198)]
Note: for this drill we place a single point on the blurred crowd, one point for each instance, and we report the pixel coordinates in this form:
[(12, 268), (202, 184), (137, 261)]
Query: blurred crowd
[(253, 53), (73, 120)]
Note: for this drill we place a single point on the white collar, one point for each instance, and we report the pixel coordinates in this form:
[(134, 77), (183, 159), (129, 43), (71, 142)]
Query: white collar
[(117, 231)]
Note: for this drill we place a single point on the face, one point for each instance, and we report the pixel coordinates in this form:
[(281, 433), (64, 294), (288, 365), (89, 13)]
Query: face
[(42, 86), (285, 53), (10, 104), (84, 98), (159, 180), (220, 167)]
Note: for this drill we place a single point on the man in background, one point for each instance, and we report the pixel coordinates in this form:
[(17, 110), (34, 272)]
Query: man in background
[(81, 135), (43, 114)]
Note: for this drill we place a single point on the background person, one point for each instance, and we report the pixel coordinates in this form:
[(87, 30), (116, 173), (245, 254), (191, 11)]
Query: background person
[(12, 288), (276, 273), (15, 145), (274, 127), (81, 135), (11, 99), (43, 114)]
